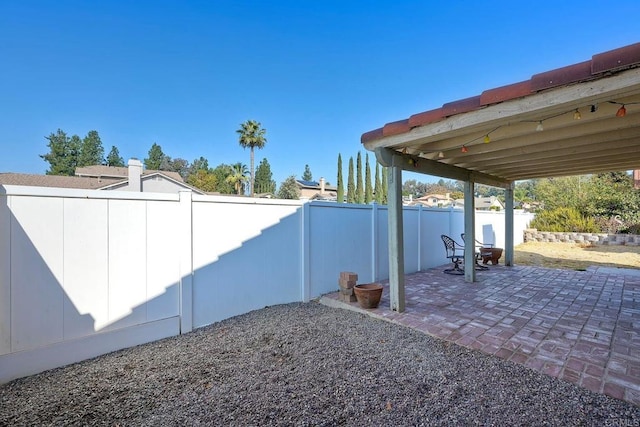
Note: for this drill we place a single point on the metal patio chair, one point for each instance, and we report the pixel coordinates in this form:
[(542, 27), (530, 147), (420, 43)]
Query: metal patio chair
[(455, 252)]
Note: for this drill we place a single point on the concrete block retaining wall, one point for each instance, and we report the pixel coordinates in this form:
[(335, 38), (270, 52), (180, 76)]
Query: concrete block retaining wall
[(533, 235)]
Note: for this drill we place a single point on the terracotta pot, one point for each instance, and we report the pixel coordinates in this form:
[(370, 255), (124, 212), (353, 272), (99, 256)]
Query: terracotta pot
[(490, 254), (368, 294)]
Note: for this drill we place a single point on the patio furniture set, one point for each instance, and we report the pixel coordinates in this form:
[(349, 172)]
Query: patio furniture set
[(455, 252)]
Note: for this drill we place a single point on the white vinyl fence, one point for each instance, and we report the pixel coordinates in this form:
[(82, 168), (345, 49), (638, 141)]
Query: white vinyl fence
[(83, 273)]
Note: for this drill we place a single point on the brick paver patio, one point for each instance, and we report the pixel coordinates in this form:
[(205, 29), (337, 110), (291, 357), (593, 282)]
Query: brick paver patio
[(580, 326)]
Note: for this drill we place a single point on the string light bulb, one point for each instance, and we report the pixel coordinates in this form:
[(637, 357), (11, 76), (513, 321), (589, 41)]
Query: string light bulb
[(577, 115), (539, 128), (621, 111), (464, 149), (487, 139)]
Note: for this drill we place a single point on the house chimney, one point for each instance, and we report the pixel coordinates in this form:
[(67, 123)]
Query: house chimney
[(135, 172), (322, 182)]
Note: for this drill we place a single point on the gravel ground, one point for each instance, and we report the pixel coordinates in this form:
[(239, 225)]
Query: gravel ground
[(303, 364)]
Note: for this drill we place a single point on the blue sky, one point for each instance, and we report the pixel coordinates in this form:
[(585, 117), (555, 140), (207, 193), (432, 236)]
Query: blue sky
[(185, 74)]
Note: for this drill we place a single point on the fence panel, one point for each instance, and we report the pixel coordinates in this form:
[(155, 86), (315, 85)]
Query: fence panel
[(5, 275), (245, 256), (433, 223), (340, 240)]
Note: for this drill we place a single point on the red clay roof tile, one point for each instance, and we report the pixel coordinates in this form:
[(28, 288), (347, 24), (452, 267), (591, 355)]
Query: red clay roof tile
[(372, 135), (395, 128), (561, 76), (617, 58), (461, 106), (505, 93), (426, 117)]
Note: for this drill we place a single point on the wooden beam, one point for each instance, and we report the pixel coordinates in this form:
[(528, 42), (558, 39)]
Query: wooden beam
[(508, 227), (387, 156), (618, 139), (469, 232), (396, 239)]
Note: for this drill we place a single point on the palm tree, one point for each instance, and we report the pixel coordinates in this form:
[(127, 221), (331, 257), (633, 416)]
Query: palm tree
[(238, 177), (251, 135)]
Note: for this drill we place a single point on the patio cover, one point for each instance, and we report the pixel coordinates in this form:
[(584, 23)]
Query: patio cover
[(579, 119)]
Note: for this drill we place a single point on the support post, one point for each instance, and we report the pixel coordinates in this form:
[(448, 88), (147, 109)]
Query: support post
[(469, 232), (305, 249), (508, 226), (186, 262), (396, 239)]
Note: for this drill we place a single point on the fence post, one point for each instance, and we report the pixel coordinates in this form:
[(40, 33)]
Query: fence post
[(420, 237), (186, 261), (305, 249), (374, 242)]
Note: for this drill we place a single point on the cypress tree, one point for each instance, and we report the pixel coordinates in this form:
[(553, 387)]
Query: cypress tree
[(359, 188), (378, 188), (368, 192), (351, 186), (340, 196), (306, 176), (384, 185)]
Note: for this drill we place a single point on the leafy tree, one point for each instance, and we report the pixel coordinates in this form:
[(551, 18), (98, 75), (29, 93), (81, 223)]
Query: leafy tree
[(221, 172), (175, 165), (524, 191), (562, 192), (417, 189), (238, 177), (351, 186), (264, 178), (91, 150), (378, 186), (306, 176), (114, 158), (289, 189), (199, 164), (63, 153), (251, 135), (385, 186), (204, 180), (340, 195), (155, 159), (368, 192), (359, 187), (611, 195)]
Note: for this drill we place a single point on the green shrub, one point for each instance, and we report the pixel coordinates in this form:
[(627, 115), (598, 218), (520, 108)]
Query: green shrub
[(564, 220), (632, 229)]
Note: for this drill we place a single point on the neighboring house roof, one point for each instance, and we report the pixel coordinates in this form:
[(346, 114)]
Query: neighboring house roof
[(435, 196), (303, 183), (313, 190), (435, 199), (314, 185), (482, 203), (92, 178), (101, 171), (59, 181)]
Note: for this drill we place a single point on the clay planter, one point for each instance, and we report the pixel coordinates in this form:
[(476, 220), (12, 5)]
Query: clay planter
[(368, 294), (490, 254)]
